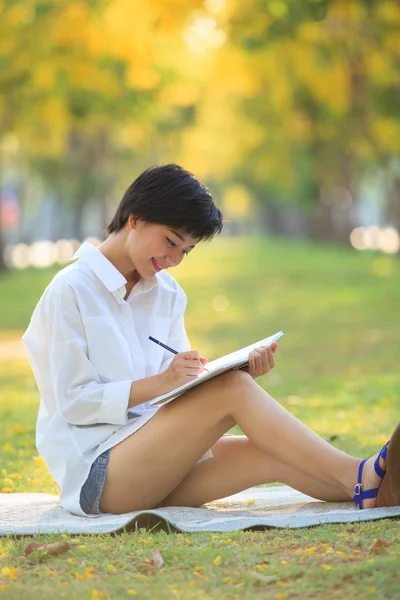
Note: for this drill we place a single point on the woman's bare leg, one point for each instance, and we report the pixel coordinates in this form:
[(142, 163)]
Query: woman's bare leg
[(238, 465), (146, 467)]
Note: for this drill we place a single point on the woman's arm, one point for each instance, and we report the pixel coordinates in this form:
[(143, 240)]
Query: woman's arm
[(143, 390), (184, 367), (82, 399)]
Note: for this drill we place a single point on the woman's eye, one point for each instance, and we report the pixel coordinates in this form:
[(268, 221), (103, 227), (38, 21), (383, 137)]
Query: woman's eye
[(171, 243)]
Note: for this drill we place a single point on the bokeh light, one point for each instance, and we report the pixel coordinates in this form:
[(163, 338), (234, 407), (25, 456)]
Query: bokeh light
[(386, 240), (220, 303), (44, 253)]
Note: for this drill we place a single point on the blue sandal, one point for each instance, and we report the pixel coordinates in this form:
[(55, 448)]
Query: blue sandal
[(360, 495), (388, 493)]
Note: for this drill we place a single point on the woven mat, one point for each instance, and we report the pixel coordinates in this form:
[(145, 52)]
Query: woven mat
[(256, 508)]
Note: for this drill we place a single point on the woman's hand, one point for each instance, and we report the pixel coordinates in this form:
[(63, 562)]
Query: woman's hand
[(185, 367), (261, 360)]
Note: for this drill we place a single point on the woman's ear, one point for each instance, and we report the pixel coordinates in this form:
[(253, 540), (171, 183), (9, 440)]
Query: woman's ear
[(132, 222)]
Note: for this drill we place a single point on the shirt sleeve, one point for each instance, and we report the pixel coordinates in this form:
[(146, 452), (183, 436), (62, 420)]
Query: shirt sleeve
[(177, 338), (80, 396)]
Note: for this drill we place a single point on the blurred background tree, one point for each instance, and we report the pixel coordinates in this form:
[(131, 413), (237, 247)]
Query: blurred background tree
[(283, 108)]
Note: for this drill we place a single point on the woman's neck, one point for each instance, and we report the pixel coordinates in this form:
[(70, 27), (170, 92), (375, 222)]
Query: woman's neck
[(113, 249)]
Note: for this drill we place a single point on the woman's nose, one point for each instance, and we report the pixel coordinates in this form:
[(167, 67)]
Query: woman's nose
[(174, 259)]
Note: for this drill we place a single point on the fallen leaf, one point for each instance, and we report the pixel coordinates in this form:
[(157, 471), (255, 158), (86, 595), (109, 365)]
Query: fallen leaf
[(262, 565), (42, 550), (155, 560), (263, 578), (378, 544)]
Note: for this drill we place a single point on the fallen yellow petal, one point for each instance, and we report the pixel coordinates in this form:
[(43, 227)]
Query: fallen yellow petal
[(12, 573)]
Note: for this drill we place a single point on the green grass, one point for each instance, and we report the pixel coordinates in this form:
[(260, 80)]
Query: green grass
[(337, 370)]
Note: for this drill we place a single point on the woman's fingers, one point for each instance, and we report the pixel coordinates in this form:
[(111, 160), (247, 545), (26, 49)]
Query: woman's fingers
[(258, 362), (193, 365), (271, 359), (265, 364), (261, 360)]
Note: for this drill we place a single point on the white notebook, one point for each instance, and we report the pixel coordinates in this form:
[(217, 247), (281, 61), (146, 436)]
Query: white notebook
[(234, 360)]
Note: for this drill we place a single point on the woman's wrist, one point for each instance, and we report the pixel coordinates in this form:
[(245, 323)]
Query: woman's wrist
[(144, 390)]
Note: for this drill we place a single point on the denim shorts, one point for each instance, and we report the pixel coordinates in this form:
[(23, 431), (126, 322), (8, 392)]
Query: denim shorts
[(93, 486)]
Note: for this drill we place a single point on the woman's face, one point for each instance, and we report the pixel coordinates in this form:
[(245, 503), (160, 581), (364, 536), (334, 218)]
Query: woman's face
[(153, 247)]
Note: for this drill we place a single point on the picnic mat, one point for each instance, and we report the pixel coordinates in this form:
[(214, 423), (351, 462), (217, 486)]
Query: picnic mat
[(256, 508)]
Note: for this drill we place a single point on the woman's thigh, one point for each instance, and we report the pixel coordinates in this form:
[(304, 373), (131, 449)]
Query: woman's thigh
[(145, 467)]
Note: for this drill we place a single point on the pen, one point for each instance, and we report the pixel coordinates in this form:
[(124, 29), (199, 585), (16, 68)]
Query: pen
[(167, 347)]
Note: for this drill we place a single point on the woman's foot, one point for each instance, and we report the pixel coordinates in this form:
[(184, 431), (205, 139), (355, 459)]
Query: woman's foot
[(381, 479), (371, 480)]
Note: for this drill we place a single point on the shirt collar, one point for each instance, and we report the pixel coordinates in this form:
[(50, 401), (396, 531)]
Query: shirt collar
[(110, 276)]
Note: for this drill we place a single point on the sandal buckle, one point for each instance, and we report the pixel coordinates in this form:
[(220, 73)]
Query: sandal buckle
[(358, 489)]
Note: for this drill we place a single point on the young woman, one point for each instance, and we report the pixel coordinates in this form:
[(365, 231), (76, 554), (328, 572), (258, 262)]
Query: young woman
[(96, 369)]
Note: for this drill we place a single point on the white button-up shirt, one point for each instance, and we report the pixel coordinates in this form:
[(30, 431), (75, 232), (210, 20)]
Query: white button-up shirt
[(86, 345)]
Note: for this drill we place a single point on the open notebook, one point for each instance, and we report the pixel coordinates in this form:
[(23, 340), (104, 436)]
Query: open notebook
[(234, 360)]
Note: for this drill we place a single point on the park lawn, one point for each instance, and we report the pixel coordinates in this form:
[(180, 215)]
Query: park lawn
[(337, 370)]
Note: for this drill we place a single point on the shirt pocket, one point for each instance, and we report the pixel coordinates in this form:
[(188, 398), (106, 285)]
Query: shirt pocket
[(108, 349)]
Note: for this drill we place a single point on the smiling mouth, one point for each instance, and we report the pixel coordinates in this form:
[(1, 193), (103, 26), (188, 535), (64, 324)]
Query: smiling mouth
[(156, 265)]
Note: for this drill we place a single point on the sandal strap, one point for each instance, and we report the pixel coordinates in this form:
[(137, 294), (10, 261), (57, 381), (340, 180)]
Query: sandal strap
[(359, 493), (377, 468), (357, 498)]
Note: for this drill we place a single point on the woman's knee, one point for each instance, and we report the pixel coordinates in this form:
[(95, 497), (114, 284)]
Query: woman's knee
[(220, 394), (232, 387), (236, 379)]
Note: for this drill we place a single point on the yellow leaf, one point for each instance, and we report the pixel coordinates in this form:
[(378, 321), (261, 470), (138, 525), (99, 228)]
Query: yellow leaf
[(11, 573), (217, 561), (19, 429)]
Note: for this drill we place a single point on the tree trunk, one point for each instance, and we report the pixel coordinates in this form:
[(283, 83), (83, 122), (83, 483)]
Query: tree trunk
[(77, 220), (3, 266), (393, 206)]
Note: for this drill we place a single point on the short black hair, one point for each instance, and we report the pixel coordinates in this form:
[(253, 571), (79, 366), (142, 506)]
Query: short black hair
[(169, 195)]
